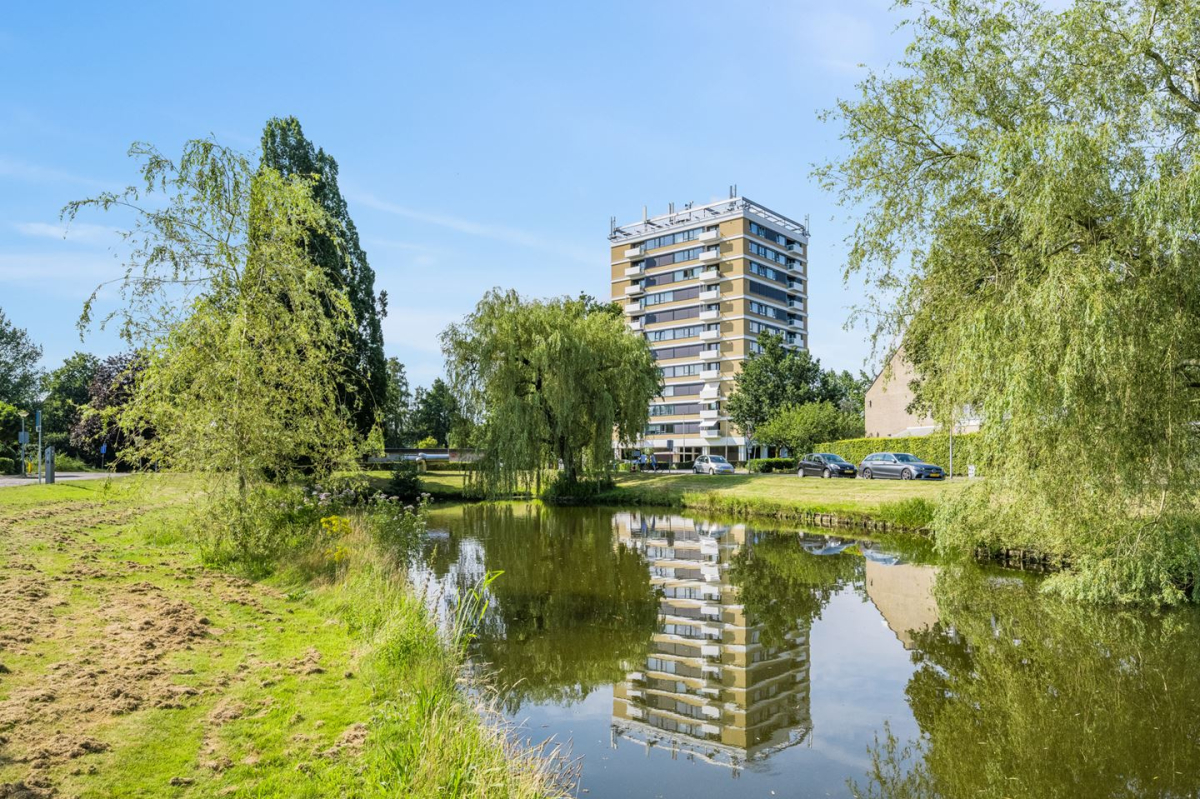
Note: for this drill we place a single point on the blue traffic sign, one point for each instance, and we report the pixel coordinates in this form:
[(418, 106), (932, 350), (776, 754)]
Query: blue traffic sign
[(103, 448)]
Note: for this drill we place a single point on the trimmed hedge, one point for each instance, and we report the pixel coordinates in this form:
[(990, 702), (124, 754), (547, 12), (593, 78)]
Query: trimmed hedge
[(8, 466), (446, 466), (768, 465), (933, 448)]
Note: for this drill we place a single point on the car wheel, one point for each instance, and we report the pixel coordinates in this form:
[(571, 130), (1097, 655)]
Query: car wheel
[(867, 475), (800, 472), (826, 474), (906, 475), (712, 472)]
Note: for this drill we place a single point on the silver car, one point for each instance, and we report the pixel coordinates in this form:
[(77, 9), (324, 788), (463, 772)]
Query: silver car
[(899, 466), (712, 464)]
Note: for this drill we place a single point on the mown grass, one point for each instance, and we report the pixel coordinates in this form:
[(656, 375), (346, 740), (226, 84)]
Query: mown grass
[(904, 504), (327, 679)]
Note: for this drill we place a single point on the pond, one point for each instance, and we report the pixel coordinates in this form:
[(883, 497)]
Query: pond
[(690, 657)]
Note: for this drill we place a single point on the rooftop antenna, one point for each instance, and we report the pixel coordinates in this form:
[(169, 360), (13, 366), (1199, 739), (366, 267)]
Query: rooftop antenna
[(612, 225), (807, 229), (733, 191), (645, 213), (671, 209)]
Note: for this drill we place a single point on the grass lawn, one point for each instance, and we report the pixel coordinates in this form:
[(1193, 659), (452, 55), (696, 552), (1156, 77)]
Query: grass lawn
[(904, 503), (128, 669)]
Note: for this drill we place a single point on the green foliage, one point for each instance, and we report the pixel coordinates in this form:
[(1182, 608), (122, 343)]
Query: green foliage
[(549, 382), (770, 379), (8, 466), (429, 442), (68, 463), (404, 483), (1028, 188), (799, 427), (563, 491), (397, 407), (768, 465), (435, 416), (332, 245), (240, 383), (67, 391), (933, 448), (109, 394), (10, 426), (19, 371)]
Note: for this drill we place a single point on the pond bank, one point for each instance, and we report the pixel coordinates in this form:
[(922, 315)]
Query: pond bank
[(131, 669), (871, 505)]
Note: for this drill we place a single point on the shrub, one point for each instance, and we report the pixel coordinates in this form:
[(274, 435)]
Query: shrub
[(566, 492), (405, 482), (66, 463), (933, 448), (444, 466), (8, 466), (428, 442), (768, 465)]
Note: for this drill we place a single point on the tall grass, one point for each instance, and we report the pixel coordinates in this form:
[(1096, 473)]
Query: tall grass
[(426, 736)]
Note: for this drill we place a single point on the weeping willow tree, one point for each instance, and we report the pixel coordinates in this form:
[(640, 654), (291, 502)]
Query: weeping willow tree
[(1028, 191), (240, 333), (550, 382)]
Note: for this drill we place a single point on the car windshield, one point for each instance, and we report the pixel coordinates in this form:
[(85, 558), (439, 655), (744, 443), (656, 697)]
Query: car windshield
[(831, 458), (904, 457), (717, 459)]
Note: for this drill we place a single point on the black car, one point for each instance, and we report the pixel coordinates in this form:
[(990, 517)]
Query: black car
[(899, 465), (825, 464)]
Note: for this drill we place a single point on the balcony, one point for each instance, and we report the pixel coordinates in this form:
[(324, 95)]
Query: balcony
[(711, 354), (634, 271), (711, 275), (710, 415), (796, 247), (711, 255), (711, 391), (709, 235), (710, 335), (710, 315), (797, 304), (794, 287), (634, 290), (711, 295), (634, 252), (636, 324), (632, 308)]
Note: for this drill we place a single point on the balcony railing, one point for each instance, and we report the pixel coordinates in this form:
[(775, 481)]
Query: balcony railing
[(710, 275), (635, 290), (710, 335), (709, 235), (634, 271), (710, 391), (634, 252), (710, 315), (710, 255), (710, 295), (710, 354), (633, 308)]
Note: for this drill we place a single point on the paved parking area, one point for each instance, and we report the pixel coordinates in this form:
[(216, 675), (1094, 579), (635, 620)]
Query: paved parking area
[(60, 477)]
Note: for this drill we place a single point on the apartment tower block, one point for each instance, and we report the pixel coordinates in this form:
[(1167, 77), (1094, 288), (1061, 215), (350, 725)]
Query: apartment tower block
[(701, 284)]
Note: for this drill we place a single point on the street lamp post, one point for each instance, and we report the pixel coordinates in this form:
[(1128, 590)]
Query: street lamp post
[(23, 414)]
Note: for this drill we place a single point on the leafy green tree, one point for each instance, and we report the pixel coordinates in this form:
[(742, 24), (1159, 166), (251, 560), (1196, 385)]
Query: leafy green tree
[(19, 372), (799, 427), (398, 406), (240, 382), (334, 246), (435, 413), (772, 379), (1026, 183), (10, 427), (550, 382), (98, 423), (848, 392), (67, 390)]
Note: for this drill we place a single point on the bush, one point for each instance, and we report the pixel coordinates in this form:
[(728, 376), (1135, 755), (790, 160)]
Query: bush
[(405, 482), (428, 442), (563, 492), (933, 448), (8, 466), (66, 463), (768, 465)]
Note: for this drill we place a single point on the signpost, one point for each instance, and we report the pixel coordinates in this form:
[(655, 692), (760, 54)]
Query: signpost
[(103, 449), (38, 425), (24, 439)]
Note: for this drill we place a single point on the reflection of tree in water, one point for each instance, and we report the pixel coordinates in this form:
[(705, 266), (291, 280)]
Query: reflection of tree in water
[(1018, 694), (783, 587), (573, 610)]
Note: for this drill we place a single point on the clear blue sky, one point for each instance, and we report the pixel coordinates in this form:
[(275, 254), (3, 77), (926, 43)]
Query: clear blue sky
[(480, 145)]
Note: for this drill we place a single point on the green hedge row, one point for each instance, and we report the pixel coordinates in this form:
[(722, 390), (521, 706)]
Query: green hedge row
[(8, 466), (934, 448), (446, 466), (768, 465)]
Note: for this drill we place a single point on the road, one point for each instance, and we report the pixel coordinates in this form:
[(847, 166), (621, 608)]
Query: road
[(7, 481)]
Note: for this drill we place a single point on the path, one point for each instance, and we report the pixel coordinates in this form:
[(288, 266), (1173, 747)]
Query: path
[(59, 477)]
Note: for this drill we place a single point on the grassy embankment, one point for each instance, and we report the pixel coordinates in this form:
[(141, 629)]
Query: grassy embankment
[(128, 669), (893, 503)]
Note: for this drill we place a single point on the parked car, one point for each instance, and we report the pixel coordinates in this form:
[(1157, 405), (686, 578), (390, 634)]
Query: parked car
[(712, 464), (825, 464), (898, 465)]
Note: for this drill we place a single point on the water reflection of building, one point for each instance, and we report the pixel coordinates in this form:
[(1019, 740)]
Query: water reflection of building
[(710, 688), (903, 595)]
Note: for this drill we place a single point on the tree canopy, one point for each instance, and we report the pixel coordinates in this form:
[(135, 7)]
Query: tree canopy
[(19, 356), (1027, 188), (550, 381), (335, 248), (799, 427)]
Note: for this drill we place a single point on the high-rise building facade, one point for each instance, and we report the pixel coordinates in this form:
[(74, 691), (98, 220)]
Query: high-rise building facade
[(701, 284)]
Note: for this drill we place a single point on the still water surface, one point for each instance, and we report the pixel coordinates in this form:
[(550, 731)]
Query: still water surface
[(688, 657)]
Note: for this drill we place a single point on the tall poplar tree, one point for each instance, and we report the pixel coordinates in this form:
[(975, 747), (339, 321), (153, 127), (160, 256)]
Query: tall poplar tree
[(364, 391)]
